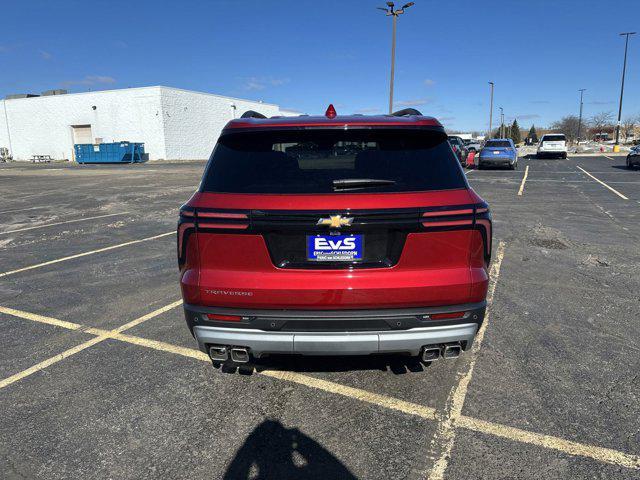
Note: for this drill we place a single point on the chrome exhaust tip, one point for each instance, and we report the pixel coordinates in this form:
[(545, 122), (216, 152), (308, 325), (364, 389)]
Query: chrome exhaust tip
[(430, 353), (239, 355), (452, 350), (218, 353)]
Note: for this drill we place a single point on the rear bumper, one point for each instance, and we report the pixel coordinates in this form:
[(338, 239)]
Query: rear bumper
[(496, 160), (347, 332)]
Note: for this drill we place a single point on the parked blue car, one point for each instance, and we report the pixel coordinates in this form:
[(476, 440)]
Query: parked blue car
[(498, 152)]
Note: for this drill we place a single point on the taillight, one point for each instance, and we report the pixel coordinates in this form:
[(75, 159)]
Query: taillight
[(223, 318), (447, 218), (483, 223), (216, 219), (186, 226)]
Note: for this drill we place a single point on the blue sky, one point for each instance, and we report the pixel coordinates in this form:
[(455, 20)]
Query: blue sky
[(305, 54)]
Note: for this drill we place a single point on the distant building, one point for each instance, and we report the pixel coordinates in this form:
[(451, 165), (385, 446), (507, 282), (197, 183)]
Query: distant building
[(173, 124)]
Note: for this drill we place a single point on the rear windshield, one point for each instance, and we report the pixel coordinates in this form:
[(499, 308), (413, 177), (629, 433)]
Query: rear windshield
[(497, 143), (332, 161), (554, 138)]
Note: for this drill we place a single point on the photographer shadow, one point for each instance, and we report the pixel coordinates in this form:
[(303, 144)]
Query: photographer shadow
[(274, 451)]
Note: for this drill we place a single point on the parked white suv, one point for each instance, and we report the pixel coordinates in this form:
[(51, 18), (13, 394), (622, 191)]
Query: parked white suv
[(552, 145)]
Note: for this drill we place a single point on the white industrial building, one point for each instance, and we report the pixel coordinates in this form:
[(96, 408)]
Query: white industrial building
[(173, 124)]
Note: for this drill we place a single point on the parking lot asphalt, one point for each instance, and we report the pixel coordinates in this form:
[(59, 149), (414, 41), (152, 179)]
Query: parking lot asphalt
[(100, 378)]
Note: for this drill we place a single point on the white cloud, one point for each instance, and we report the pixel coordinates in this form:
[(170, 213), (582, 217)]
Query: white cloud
[(90, 80), (429, 83), (260, 83), (45, 55), (369, 110), (413, 102)]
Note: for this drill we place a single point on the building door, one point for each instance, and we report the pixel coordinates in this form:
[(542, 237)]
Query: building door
[(82, 134)]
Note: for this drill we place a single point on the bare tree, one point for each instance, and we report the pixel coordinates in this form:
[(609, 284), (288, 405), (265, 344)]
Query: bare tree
[(567, 125), (601, 122), (628, 126)]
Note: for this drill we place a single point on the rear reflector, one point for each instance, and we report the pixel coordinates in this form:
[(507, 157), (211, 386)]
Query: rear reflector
[(223, 318), (446, 316)]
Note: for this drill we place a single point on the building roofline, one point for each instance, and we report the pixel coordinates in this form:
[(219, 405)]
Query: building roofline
[(143, 88)]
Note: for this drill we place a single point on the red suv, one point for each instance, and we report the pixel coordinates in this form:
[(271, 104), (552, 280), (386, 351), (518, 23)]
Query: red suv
[(334, 235)]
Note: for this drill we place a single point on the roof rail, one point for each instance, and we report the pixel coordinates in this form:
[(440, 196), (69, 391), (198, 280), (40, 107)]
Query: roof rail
[(405, 112), (252, 114)]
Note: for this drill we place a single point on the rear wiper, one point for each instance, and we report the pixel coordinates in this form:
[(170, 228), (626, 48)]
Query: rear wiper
[(356, 183)]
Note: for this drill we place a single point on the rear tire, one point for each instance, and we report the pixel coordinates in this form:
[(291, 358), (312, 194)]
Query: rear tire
[(564, 156)]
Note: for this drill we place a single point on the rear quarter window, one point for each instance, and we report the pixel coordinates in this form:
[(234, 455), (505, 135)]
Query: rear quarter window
[(315, 160), (554, 138)]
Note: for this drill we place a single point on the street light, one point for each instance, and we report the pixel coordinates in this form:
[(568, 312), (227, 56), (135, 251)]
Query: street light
[(624, 70), (582, 90), (501, 121), (393, 13), (490, 110)]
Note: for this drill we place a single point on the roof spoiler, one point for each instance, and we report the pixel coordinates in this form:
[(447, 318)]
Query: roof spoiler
[(406, 112), (252, 114)]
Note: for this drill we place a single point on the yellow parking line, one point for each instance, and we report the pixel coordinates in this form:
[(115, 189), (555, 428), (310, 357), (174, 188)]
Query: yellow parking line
[(62, 223), (50, 361), (385, 401), (319, 384), (84, 254), (603, 184), (610, 158), (445, 433), (524, 180), (604, 455), (34, 317), (102, 335)]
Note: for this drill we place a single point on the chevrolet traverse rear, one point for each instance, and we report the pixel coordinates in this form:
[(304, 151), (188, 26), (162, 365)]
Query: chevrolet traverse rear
[(334, 235)]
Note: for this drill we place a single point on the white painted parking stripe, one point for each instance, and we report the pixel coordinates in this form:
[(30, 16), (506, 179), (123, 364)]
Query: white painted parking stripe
[(76, 220), (524, 179), (600, 454), (604, 184), (443, 440), (84, 254), (610, 158)]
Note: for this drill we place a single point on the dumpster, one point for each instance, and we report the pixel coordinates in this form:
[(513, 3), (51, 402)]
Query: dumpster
[(118, 152)]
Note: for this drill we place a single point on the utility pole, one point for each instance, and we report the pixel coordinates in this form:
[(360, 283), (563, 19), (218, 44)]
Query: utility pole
[(580, 117), (393, 13), (490, 111), (624, 70), (501, 122)]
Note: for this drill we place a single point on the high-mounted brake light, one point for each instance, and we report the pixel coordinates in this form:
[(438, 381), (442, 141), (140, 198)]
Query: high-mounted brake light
[(331, 112)]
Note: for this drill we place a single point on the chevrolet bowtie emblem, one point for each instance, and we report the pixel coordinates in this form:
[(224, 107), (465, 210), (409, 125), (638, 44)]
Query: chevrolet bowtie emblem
[(336, 221)]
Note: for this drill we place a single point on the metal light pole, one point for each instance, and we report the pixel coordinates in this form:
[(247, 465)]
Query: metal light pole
[(490, 111), (582, 90), (393, 13), (624, 70), (501, 121)]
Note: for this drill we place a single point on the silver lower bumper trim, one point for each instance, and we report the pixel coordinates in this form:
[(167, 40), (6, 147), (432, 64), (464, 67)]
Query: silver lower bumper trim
[(334, 343)]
